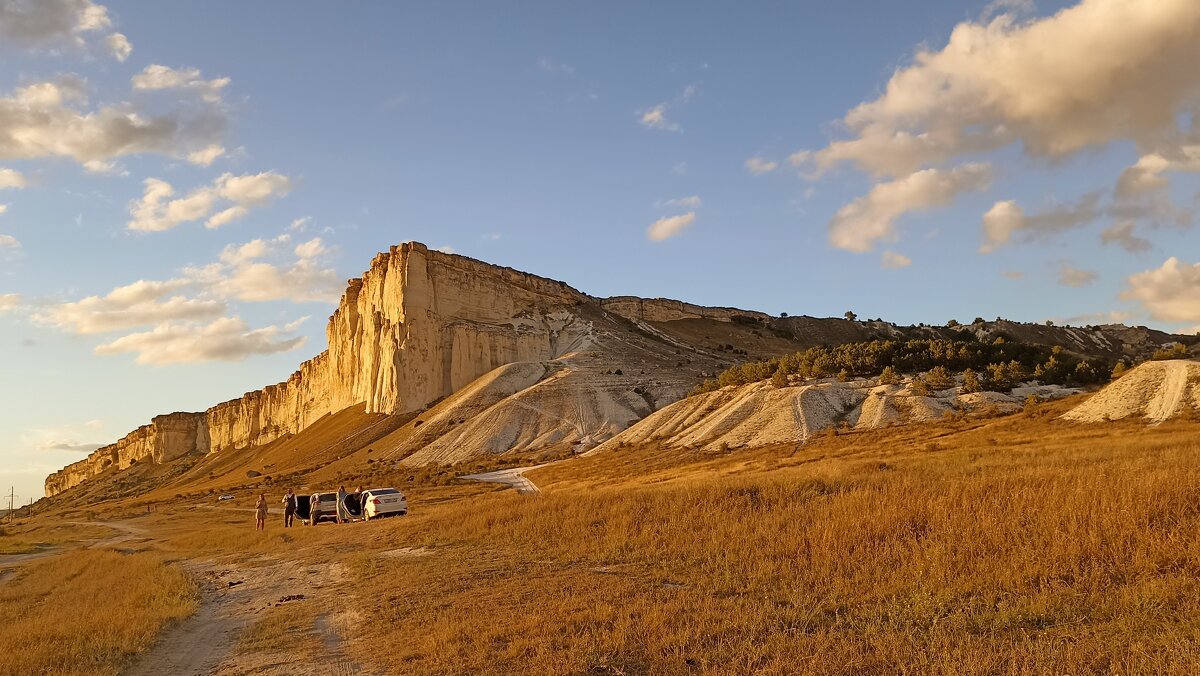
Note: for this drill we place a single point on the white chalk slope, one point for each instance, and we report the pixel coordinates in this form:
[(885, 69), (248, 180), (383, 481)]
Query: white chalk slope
[(760, 414), (1156, 391)]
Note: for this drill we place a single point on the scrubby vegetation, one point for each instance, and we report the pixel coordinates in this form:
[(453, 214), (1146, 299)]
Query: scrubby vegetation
[(998, 365)]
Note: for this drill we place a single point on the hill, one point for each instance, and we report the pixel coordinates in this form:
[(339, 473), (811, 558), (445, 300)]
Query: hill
[(447, 359)]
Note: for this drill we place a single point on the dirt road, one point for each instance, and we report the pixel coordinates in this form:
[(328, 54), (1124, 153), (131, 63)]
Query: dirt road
[(234, 597)]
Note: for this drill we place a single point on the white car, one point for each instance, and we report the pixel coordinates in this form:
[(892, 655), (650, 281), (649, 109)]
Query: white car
[(379, 502), (225, 497)]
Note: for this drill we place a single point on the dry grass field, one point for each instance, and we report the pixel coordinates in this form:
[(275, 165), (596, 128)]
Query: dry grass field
[(974, 545), (88, 612)]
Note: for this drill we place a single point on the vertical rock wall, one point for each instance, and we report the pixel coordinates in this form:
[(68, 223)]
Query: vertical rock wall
[(418, 325)]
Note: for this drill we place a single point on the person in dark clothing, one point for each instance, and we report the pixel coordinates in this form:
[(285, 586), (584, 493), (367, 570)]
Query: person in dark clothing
[(289, 508)]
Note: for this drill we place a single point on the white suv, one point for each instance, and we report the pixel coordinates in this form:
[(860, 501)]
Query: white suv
[(383, 502)]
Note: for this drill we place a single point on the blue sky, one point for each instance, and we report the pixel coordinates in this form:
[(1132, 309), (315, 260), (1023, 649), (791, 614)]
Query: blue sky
[(551, 137)]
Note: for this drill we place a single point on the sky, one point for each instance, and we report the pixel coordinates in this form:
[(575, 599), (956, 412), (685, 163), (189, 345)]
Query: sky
[(185, 187)]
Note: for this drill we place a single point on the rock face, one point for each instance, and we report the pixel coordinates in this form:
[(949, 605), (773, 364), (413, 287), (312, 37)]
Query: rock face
[(416, 327)]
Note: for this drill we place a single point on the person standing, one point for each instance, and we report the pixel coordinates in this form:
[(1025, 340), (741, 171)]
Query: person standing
[(260, 512), (289, 508), (343, 514)]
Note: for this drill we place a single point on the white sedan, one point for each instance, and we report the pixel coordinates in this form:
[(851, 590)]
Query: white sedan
[(383, 502)]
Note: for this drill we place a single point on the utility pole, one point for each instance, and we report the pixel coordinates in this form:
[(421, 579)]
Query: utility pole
[(12, 495)]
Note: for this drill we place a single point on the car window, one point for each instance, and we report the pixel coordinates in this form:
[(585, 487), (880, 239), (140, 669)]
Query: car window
[(383, 491)]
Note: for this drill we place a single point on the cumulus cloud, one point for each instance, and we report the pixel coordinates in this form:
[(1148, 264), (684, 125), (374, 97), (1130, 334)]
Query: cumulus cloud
[(313, 248), (1006, 220), (225, 339), (47, 119), (243, 274), (1170, 292), (1116, 71), (119, 46), (1121, 234), (51, 23), (8, 241), (156, 77), (206, 156), (156, 211), (655, 117), (895, 261), (1075, 277), (142, 303), (871, 218), (758, 165), (665, 228)]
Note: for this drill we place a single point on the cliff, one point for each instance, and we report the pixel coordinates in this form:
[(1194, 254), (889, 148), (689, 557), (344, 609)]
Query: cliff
[(416, 327)]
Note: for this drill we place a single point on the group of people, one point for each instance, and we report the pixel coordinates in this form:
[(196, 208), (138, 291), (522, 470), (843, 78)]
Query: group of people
[(290, 505)]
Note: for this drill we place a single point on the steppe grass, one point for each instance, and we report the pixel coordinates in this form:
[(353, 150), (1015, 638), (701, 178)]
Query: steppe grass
[(88, 612), (1018, 546)]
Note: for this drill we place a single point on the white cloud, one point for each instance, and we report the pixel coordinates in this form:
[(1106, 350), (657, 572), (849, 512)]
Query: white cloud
[(758, 165), (50, 23), (139, 304), (670, 226), (313, 248), (156, 77), (11, 178), (8, 241), (226, 217), (655, 117), (871, 218), (1170, 293), (206, 156), (156, 212), (1098, 72), (44, 119), (1117, 70), (895, 261), (1013, 274), (225, 339), (300, 224), (1007, 219), (118, 45), (242, 274), (1075, 277), (446, 249), (9, 302)]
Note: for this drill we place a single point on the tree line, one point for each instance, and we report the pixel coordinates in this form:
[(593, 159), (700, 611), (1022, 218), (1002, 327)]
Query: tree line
[(996, 366)]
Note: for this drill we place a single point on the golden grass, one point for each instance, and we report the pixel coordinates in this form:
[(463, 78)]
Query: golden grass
[(25, 537), (88, 612), (1012, 546)]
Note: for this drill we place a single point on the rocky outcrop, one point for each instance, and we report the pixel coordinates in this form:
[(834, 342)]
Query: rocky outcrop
[(416, 327)]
